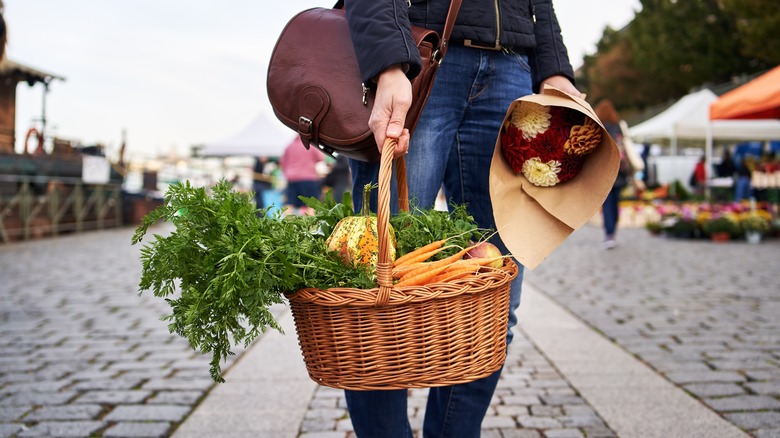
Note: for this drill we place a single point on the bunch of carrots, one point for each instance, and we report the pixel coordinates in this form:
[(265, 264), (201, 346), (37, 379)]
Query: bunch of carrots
[(417, 269)]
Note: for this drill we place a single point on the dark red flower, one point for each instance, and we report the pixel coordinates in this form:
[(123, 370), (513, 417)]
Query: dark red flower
[(515, 148)]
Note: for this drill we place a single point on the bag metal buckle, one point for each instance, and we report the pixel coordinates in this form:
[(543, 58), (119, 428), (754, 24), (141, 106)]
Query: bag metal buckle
[(304, 121)]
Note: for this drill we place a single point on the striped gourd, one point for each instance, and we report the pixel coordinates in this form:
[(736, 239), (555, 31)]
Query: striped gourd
[(356, 238)]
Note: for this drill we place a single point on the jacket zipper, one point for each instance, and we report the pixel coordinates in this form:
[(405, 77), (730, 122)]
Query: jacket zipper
[(498, 24)]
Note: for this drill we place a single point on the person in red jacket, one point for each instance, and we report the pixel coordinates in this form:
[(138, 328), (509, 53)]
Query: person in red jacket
[(699, 177)]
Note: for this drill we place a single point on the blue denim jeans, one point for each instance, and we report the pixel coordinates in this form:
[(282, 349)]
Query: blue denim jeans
[(452, 148), (610, 211)]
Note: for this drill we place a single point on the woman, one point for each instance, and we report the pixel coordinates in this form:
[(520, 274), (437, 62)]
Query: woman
[(499, 51)]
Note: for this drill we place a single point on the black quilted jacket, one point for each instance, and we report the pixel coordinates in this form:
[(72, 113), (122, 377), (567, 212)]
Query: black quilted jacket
[(380, 32)]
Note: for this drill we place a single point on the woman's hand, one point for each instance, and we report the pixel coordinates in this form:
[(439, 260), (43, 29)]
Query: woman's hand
[(562, 83), (391, 103)]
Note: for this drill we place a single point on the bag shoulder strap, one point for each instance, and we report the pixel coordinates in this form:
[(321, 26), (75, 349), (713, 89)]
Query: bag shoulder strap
[(449, 23)]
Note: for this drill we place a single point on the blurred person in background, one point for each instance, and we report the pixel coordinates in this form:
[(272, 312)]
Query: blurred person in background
[(610, 210), (299, 166)]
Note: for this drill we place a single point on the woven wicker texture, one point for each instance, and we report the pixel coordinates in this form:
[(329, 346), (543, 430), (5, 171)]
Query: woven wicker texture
[(409, 337)]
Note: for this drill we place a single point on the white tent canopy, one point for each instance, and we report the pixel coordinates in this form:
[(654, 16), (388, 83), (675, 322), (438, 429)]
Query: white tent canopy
[(689, 118), (263, 137)]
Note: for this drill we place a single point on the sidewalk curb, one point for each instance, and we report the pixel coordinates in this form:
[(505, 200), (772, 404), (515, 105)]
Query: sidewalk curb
[(266, 393)]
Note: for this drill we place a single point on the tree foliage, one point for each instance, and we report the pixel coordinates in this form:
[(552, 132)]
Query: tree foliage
[(673, 46)]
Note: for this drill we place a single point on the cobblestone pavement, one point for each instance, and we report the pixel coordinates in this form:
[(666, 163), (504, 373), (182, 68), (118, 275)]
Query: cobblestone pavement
[(532, 401), (704, 315), (81, 354)]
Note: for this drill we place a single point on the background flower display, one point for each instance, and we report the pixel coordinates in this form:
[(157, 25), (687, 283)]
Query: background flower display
[(702, 219), (548, 144)]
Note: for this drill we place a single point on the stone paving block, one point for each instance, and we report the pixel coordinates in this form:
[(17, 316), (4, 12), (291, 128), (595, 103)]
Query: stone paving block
[(153, 429), (323, 403), (546, 411), (140, 365), (147, 413), (539, 422), (581, 421), (768, 433), (146, 374), (755, 420), (115, 384), (318, 424), (322, 435), (67, 412), (189, 398), (190, 373), (112, 397), (557, 400), (703, 390), (178, 384), (35, 386), (522, 400), (12, 413), (20, 367), (9, 429), (344, 425), (741, 364), (743, 403), (18, 378), (682, 367), (598, 432), (511, 410), (38, 398), (63, 429), (768, 388), (706, 376), (325, 413), (92, 374), (563, 433), (498, 422)]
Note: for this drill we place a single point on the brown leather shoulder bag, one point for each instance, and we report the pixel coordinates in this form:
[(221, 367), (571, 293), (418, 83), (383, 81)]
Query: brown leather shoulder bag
[(315, 88)]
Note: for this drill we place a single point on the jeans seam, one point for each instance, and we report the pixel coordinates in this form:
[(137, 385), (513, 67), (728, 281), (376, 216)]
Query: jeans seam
[(445, 420)]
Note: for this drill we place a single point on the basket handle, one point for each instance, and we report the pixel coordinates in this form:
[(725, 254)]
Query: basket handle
[(384, 267)]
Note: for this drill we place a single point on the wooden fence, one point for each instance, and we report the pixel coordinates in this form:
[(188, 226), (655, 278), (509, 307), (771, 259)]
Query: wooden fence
[(39, 206)]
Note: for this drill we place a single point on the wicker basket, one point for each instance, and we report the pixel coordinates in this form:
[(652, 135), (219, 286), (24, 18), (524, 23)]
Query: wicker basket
[(409, 337)]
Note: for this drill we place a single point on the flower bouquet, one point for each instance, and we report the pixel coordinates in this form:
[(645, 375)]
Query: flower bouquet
[(548, 144), (553, 166)]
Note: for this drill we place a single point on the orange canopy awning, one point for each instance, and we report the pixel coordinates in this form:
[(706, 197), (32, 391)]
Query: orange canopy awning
[(757, 99)]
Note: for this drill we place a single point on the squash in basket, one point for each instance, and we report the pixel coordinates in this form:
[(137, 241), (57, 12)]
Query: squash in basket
[(356, 238)]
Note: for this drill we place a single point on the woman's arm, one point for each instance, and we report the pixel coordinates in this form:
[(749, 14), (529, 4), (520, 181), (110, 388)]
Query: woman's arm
[(388, 57)]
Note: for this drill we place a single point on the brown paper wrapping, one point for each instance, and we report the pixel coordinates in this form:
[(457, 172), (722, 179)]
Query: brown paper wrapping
[(533, 221)]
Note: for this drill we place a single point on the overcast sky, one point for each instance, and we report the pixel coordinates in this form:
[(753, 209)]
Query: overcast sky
[(174, 73)]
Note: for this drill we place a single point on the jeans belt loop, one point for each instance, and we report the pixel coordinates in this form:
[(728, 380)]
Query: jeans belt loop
[(478, 45)]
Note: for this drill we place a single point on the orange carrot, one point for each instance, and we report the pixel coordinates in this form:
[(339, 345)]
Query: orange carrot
[(454, 274), (422, 278), (419, 252), (433, 265), (406, 268), (421, 257)]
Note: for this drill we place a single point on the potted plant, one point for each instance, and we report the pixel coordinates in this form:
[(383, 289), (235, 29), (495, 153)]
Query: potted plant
[(654, 227), (754, 227), (721, 228), (684, 227)]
